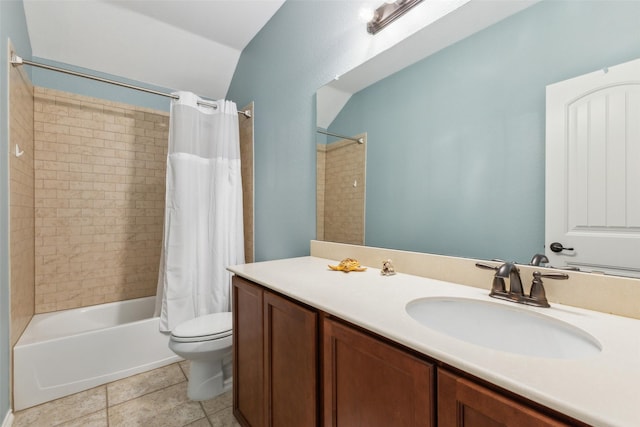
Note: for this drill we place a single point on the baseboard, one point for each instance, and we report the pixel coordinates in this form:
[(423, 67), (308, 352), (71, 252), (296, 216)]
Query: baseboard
[(8, 419)]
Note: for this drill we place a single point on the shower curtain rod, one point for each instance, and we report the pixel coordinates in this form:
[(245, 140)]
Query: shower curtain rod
[(358, 140), (17, 61)]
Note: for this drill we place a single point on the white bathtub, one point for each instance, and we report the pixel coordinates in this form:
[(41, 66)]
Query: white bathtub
[(68, 351)]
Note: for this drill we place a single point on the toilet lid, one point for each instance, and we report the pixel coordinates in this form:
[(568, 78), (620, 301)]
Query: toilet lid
[(208, 327)]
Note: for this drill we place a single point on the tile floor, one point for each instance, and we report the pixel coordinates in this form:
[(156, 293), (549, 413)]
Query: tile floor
[(157, 398)]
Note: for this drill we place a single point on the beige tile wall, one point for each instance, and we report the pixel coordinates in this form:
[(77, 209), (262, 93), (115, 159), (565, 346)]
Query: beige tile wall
[(246, 159), (99, 200), (344, 203), (21, 201), (321, 161)]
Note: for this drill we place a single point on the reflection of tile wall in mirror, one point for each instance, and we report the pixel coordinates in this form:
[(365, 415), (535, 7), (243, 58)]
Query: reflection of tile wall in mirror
[(320, 181), (343, 197)]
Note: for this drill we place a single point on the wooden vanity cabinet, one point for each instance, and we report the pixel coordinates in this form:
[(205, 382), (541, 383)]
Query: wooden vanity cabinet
[(294, 366), (465, 403), (367, 382), (275, 359)]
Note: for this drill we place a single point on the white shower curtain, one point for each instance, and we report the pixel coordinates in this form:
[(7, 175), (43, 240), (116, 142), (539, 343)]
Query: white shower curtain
[(203, 232)]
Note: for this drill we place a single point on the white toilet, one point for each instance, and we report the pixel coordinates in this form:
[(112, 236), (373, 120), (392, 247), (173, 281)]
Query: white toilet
[(206, 342)]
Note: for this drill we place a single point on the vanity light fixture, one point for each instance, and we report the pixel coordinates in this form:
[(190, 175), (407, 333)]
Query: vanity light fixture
[(389, 12)]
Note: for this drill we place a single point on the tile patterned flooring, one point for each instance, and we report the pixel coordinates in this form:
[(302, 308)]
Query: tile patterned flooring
[(156, 398)]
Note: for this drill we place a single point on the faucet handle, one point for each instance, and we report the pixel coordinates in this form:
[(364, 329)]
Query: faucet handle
[(487, 266), (557, 276), (537, 294)]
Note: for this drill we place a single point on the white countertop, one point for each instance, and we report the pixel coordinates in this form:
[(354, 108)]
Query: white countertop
[(601, 390)]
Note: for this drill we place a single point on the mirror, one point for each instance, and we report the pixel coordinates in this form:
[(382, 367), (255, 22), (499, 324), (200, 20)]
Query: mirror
[(455, 153), (341, 187)]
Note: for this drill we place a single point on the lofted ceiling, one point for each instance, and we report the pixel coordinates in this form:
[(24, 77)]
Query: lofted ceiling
[(195, 45), (177, 44)]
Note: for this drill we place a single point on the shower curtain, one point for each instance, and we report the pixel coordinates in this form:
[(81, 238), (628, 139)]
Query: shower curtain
[(203, 232)]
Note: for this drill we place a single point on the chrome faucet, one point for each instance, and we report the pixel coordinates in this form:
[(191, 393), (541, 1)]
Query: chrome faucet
[(539, 259), (537, 296)]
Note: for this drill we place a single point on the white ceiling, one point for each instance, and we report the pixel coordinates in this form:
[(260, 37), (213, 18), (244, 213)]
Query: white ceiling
[(151, 41)]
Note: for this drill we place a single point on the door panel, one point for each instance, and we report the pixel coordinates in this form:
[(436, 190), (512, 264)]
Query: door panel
[(463, 403), (248, 347), (291, 386), (370, 383)]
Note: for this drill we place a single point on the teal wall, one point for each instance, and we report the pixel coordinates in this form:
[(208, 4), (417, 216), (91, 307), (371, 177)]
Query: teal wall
[(467, 171), (12, 26), (301, 48)]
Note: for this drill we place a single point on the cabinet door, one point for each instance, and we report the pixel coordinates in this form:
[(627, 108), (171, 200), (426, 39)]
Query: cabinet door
[(248, 360), (291, 385), (463, 403), (370, 383)]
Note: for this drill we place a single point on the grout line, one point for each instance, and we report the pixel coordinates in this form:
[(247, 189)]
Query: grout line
[(206, 416), (183, 371)]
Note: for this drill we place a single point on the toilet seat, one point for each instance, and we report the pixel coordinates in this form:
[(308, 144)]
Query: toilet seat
[(204, 328)]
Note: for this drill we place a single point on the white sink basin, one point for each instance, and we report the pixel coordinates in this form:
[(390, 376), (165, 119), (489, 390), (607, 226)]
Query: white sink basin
[(503, 327)]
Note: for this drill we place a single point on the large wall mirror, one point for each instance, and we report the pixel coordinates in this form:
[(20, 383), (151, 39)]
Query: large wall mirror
[(455, 151)]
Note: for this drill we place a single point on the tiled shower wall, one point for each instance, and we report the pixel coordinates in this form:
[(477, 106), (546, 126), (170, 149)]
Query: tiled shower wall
[(99, 199), (344, 191), (246, 161), (21, 239), (321, 160)]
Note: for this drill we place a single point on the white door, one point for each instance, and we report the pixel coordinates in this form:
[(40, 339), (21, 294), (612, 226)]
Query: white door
[(593, 171)]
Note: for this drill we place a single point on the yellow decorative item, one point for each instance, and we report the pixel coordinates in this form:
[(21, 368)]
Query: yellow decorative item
[(347, 265)]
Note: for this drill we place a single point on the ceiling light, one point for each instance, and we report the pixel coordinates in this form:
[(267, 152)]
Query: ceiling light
[(366, 14), (389, 12)]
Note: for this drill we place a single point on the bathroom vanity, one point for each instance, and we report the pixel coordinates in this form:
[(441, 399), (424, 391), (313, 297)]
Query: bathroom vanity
[(318, 347)]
